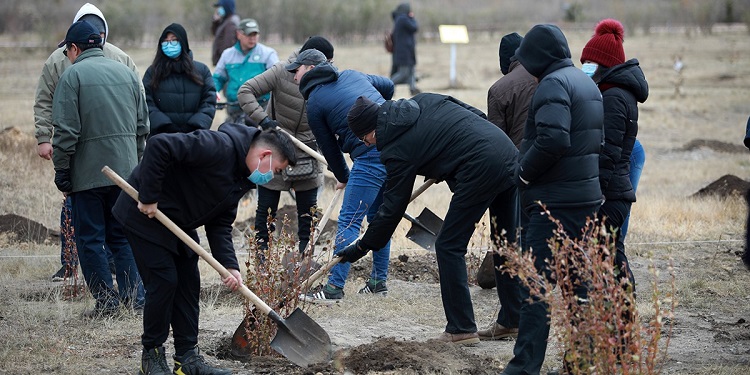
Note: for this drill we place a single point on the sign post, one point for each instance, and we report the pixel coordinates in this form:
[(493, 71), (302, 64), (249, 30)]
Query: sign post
[(453, 34)]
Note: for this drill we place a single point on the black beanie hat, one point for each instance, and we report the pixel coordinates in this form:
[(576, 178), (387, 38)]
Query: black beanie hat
[(180, 33), (319, 43), (363, 116), (508, 46)]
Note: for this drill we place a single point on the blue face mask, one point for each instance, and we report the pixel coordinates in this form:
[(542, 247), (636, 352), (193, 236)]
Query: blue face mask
[(589, 68), (221, 12), (260, 178), (171, 48)]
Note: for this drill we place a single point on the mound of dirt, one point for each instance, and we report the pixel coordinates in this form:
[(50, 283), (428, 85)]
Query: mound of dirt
[(726, 186), (25, 230), (421, 268), (13, 137), (714, 145), (290, 223)]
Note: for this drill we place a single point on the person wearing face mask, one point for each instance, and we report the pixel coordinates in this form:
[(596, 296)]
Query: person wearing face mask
[(623, 86), (196, 179), (223, 28), (179, 90)]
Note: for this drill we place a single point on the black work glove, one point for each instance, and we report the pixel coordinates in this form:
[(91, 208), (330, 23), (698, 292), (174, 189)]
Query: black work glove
[(62, 180), (352, 253), (267, 123)]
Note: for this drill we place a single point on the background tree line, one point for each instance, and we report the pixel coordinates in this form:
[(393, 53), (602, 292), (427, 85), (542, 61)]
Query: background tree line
[(134, 22)]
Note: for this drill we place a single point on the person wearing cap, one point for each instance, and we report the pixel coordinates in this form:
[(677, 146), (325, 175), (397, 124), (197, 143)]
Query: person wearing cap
[(440, 137), (287, 111), (98, 108), (330, 94), (224, 28), (180, 91), (245, 60), (558, 165), (507, 107), (623, 86), (53, 67)]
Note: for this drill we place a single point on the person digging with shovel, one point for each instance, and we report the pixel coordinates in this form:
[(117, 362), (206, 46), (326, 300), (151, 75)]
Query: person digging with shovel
[(439, 137), (197, 179)]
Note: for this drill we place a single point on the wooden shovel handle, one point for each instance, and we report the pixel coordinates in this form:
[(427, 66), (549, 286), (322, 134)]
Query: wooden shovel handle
[(323, 270), (304, 147), (198, 249), (324, 220)]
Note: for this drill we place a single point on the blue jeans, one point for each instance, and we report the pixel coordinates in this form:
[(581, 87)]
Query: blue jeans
[(637, 159), (95, 227), (363, 196)]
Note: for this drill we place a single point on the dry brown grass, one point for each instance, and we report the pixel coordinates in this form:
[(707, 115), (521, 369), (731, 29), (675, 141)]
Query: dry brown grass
[(43, 333)]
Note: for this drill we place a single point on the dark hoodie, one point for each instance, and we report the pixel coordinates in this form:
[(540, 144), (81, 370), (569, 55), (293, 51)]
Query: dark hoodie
[(197, 179), (623, 87), (330, 95), (563, 135), (437, 136), (404, 42)]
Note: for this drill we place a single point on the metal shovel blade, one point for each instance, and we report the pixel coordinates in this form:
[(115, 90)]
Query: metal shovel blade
[(301, 340), (424, 229)]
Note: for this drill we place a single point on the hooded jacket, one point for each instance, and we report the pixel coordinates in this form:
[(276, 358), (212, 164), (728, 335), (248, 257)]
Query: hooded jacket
[(224, 30), (179, 104), (563, 135), (623, 87), (197, 179), (54, 67), (99, 118), (437, 136), (330, 95), (508, 101), (404, 43)]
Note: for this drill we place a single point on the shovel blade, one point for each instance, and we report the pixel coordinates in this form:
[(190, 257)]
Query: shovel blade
[(301, 340), (423, 237)]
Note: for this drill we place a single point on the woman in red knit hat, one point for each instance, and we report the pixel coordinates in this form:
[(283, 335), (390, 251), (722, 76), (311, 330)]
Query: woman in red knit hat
[(623, 86)]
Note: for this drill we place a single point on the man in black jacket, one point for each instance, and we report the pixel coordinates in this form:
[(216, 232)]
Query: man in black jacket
[(558, 166), (196, 179), (439, 137)]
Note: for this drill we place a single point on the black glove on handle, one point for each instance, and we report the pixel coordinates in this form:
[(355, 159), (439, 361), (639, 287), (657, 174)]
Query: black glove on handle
[(62, 180), (267, 123), (352, 253)]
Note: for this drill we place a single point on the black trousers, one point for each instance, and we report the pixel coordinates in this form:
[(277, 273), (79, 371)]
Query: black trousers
[(504, 217), (465, 210), (534, 324), (616, 211), (268, 198), (172, 282)]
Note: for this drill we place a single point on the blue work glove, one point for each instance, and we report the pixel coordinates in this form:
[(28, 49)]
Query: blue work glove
[(267, 123), (352, 253), (62, 180)]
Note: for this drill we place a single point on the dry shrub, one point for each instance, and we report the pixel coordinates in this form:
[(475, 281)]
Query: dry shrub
[(275, 275), (602, 333)]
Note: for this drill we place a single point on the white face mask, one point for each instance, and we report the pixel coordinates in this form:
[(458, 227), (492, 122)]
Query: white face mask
[(589, 68)]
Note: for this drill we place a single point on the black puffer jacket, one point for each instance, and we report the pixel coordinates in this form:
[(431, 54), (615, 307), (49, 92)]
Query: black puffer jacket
[(197, 179), (623, 87), (439, 137), (180, 105), (563, 135)]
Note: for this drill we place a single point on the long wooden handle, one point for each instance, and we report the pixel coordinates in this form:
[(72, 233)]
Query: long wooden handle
[(304, 147), (324, 220), (323, 270), (198, 249)]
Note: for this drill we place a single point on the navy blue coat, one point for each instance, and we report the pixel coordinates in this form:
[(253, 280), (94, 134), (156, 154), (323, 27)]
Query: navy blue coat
[(559, 154), (179, 105), (404, 41), (197, 179), (330, 95)]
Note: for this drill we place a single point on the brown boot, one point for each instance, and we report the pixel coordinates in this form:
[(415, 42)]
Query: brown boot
[(470, 338), (497, 332)]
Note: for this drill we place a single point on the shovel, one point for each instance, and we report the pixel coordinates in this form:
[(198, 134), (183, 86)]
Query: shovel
[(327, 267), (298, 338), (240, 347)]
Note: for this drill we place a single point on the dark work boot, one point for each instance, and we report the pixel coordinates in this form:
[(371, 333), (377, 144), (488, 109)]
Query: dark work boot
[(154, 362), (192, 363)]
